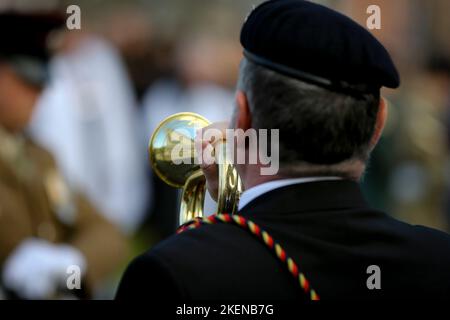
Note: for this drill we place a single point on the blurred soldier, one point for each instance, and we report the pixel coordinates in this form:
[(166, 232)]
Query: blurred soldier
[(94, 137), (44, 226)]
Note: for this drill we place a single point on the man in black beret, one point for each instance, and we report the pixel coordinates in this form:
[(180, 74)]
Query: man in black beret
[(315, 75)]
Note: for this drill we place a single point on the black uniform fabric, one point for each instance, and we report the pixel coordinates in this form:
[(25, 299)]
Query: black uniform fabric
[(326, 227), (316, 44)]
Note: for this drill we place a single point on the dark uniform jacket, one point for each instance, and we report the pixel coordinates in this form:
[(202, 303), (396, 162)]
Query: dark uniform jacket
[(328, 229)]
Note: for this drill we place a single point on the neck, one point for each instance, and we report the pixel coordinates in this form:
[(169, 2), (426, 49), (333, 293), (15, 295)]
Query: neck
[(350, 170)]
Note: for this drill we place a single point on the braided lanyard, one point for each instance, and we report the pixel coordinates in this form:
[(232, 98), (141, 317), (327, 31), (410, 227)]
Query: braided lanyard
[(261, 235)]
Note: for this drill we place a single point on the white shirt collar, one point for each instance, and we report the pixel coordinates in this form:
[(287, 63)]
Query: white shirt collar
[(249, 195)]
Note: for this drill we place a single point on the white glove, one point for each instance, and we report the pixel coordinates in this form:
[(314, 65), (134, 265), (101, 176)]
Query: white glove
[(37, 268)]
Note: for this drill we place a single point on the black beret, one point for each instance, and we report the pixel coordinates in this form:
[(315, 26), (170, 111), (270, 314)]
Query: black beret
[(25, 34), (318, 45)]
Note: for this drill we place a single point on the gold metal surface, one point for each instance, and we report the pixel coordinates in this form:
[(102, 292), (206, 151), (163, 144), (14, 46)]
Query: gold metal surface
[(174, 141)]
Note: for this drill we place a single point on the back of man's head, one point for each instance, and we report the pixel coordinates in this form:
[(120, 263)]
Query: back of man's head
[(317, 125)]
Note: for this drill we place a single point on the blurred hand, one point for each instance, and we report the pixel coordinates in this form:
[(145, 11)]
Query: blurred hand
[(204, 146), (37, 268)]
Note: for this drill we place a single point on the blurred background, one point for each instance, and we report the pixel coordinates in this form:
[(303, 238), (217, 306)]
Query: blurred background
[(135, 62)]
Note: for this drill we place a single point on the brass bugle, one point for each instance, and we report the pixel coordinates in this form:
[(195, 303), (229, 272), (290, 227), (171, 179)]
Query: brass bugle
[(173, 155)]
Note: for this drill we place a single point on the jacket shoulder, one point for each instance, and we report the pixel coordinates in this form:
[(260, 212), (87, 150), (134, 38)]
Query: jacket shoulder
[(159, 268), (148, 278), (203, 241), (434, 241), (428, 247), (191, 263)]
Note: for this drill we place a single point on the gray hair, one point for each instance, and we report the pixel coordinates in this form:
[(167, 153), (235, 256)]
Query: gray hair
[(317, 126)]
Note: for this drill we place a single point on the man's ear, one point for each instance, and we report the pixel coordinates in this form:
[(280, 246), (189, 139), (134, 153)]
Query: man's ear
[(380, 123), (243, 117)]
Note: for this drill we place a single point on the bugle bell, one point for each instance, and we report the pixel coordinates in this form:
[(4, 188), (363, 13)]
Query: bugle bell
[(173, 157)]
